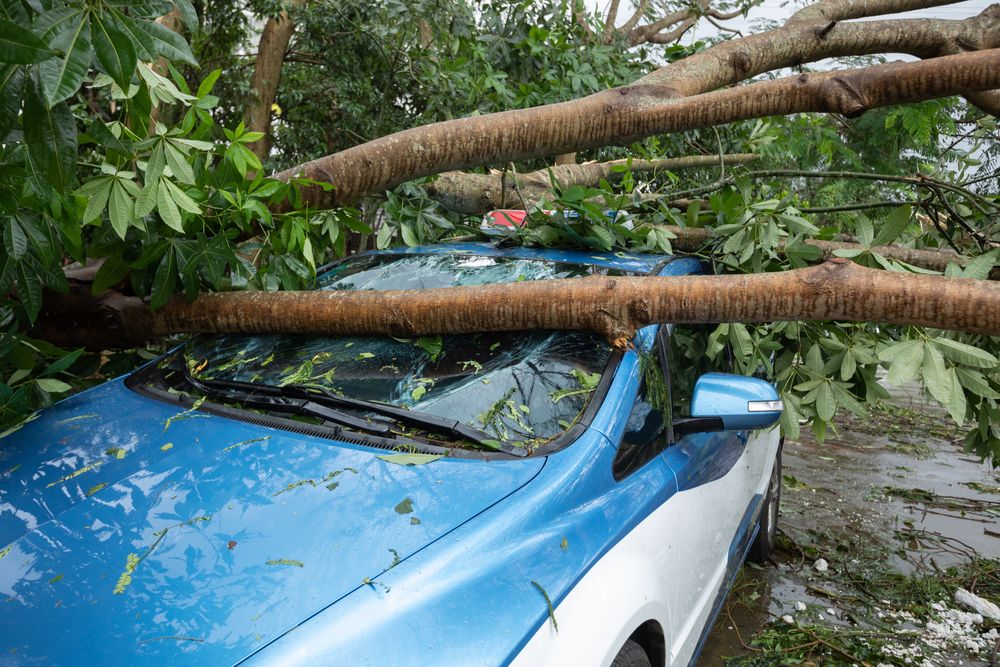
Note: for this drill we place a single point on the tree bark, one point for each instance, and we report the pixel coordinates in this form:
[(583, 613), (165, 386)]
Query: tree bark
[(622, 116), (478, 194), (266, 76), (614, 307)]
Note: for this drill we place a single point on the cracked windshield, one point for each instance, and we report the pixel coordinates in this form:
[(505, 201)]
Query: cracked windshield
[(522, 388)]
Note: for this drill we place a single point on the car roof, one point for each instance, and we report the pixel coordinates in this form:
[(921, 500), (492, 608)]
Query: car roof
[(639, 263)]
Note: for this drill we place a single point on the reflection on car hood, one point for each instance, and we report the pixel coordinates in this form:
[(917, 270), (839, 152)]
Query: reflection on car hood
[(118, 513)]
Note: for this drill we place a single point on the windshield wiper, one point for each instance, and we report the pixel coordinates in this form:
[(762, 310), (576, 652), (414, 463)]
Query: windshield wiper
[(318, 395), (283, 402)]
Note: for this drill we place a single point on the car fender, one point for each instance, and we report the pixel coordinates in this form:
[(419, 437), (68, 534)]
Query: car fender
[(624, 589)]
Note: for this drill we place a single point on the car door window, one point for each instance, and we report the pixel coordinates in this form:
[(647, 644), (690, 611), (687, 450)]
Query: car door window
[(644, 437)]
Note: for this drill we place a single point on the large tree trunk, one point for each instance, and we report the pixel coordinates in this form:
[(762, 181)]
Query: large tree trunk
[(613, 307), (622, 116), (266, 76)]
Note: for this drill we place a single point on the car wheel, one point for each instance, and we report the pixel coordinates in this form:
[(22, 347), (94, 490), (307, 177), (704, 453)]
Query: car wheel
[(631, 655), (767, 524)]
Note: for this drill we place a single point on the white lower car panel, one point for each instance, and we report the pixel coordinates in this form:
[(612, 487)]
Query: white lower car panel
[(655, 574)]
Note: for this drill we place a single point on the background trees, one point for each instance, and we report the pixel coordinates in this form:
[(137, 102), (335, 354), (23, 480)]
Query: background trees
[(159, 171)]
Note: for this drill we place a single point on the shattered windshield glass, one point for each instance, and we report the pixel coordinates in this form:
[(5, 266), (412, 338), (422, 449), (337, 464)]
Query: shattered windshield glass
[(525, 387)]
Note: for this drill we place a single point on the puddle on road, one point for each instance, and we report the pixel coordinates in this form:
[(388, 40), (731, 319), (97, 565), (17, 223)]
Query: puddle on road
[(835, 498)]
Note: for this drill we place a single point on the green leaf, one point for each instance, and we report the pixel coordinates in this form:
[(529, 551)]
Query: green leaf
[(97, 200), (121, 209), (605, 236), (741, 340), (205, 87), (53, 386), (164, 280), (63, 76), (430, 344), (936, 376), (906, 364), (892, 351), (979, 267), (188, 15), (112, 271), (356, 225), (847, 366), (409, 238), (14, 239), (410, 459), (11, 93), (100, 133), (62, 364), (865, 231), (814, 359), (181, 198), (965, 354), (29, 290), (956, 402), (115, 51), (145, 47), (179, 165), (893, 226), (790, 419), (21, 46), (845, 398), (167, 43), (50, 137), (168, 209), (55, 280), (384, 236), (976, 383), (7, 271)]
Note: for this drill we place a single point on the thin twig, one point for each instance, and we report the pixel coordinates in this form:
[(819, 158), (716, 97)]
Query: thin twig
[(517, 188)]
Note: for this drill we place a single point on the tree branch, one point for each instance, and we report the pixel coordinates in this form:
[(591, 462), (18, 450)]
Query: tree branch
[(476, 194), (609, 23), (266, 75), (694, 239), (622, 116)]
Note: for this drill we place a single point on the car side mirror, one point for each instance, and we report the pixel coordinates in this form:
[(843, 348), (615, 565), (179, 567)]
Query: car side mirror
[(724, 402)]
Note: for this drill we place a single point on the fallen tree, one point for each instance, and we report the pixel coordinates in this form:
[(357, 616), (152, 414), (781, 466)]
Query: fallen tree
[(613, 307)]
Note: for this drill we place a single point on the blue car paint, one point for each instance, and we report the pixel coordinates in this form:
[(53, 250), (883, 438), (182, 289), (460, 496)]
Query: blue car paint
[(726, 396), (469, 599), (470, 576), (244, 492)]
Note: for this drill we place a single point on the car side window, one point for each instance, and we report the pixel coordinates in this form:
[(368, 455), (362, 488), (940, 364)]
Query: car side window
[(644, 438)]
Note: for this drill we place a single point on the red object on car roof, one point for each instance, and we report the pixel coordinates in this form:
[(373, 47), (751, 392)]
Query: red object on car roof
[(507, 217)]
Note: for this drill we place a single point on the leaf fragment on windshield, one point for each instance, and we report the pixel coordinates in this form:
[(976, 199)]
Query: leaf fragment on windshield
[(410, 459)]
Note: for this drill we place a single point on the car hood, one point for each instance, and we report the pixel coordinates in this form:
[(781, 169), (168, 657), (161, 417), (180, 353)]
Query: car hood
[(131, 531)]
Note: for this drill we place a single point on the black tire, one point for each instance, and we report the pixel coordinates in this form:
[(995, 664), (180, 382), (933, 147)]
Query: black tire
[(631, 655), (767, 525)]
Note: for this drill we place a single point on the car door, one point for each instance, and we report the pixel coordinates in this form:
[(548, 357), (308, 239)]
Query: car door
[(718, 477)]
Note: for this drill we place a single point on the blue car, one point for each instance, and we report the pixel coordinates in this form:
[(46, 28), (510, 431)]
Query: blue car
[(527, 498)]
